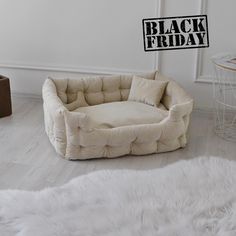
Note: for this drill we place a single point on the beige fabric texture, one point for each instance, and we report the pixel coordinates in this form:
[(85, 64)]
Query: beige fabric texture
[(80, 131), (146, 91), (79, 102), (126, 113)]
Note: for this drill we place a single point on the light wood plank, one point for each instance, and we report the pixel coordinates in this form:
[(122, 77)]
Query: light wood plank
[(28, 161)]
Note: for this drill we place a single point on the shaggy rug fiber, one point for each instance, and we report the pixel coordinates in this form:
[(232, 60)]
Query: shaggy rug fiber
[(188, 198)]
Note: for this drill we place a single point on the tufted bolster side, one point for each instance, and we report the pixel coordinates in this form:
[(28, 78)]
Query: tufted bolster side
[(176, 100), (180, 104), (96, 90), (180, 111), (53, 116)]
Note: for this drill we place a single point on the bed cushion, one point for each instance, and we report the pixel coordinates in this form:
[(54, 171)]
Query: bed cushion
[(146, 91), (117, 114)]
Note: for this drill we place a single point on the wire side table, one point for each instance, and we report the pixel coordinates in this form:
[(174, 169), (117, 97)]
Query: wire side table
[(224, 86)]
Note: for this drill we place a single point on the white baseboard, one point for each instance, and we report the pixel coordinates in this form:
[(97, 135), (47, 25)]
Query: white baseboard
[(26, 95)]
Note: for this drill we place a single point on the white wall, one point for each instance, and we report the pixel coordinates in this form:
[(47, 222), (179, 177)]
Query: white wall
[(193, 68), (82, 37)]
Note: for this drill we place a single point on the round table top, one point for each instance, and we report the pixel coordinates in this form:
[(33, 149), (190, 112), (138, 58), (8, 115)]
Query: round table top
[(225, 61)]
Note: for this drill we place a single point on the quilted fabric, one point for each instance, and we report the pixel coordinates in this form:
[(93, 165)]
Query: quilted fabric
[(79, 102), (74, 136)]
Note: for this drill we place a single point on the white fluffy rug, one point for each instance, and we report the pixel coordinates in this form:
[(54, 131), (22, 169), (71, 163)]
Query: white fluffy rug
[(188, 198)]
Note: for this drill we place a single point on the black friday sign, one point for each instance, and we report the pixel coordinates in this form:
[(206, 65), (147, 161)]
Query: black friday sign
[(171, 33)]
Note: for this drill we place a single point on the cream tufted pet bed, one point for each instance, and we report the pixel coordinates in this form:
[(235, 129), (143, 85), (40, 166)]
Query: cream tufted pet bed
[(91, 117)]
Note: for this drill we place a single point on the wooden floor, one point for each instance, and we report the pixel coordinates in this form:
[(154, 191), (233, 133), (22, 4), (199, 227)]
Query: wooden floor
[(28, 161)]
